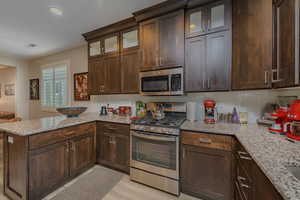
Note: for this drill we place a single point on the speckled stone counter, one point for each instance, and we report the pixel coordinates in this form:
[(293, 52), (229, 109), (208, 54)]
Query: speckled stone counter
[(30, 127), (272, 153)]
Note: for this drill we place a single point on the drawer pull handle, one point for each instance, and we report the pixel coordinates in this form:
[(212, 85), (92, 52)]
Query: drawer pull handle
[(244, 155), (240, 180), (70, 133), (205, 140)]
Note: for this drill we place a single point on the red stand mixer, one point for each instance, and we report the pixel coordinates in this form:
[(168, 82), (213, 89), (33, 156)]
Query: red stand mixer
[(292, 127), (210, 111), (280, 118)]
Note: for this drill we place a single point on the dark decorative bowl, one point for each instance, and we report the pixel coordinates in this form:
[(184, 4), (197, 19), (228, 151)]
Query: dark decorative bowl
[(71, 111)]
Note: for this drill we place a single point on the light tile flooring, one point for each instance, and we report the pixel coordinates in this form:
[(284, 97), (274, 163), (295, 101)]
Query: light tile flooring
[(100, 183)]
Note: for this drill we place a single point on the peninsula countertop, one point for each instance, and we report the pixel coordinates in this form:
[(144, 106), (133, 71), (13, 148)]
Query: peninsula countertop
[(30, 127), (272, 153)]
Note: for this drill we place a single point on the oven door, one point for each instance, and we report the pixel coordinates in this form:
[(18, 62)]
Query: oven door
[(155, 153)]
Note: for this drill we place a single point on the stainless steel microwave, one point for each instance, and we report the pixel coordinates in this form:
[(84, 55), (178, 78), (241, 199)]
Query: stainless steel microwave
[(162, 82)]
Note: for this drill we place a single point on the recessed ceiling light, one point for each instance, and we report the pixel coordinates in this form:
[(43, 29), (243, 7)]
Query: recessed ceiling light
[(32, 45), (56, 11)]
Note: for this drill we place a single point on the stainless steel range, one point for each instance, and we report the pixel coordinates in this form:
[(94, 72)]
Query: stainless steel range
[(154, 156)]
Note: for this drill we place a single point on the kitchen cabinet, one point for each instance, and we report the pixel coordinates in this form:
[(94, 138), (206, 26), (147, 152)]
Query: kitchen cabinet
[(130, 66), (206, 165), (207, 19), (112, 84), (162, 41), (113, 146), (96, 76), (208, 62), (51, 159), (82, 153), (284, 66), (252, 44), (48, 166), (250, 181)]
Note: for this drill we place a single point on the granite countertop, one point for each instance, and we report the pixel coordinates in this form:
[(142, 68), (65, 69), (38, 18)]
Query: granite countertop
[(272, 153), (30, 127)]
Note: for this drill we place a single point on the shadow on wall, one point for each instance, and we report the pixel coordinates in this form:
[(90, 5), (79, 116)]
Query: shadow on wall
[(7, 88)]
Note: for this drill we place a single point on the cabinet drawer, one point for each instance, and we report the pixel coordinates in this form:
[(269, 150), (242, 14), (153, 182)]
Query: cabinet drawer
[(74, 131), (43, 139), (207, 140), (115, 128)]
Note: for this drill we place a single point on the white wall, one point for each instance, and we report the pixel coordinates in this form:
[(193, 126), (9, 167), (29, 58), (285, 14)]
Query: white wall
[(7, 76), (251, 101), (22, 85)]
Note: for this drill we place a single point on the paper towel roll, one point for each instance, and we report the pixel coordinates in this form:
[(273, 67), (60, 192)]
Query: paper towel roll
[(192, 111)]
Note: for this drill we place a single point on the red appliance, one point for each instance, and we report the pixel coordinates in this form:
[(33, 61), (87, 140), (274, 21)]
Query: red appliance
[(280, 118), (293, 127), (210, 111)]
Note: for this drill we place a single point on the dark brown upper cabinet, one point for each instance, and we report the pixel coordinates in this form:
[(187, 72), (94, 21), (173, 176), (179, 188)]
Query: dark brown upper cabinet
[(162, 41), (208, 62), (114, 58), (252, 44), (284, 65), (149, 38), (208, 19)]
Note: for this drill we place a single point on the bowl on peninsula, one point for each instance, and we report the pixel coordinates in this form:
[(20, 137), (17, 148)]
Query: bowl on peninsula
[(71, 111)]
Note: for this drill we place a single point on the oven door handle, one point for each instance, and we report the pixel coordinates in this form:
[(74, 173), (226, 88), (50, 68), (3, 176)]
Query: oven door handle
[(152, 137)]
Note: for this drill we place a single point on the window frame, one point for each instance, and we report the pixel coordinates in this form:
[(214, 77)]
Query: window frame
[(54, 65)]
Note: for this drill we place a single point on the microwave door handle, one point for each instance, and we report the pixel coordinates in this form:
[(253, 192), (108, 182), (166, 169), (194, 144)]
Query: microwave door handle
[(152, 137)]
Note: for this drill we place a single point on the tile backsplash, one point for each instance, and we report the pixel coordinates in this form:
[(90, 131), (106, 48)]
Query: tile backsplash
[(252, 101)]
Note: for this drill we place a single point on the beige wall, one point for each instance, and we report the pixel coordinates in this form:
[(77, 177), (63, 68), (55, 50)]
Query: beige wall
[(22, 85), (252, 102), (77, 58), (7, 76)]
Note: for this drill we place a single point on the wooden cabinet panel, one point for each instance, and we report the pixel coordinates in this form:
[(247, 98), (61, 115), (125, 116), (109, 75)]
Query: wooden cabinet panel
[(113, 75), (195, 67), (252, 44), (113, 146), (208, 62), (96, 76), (48, 167), (149, 39), (171, 39), (82, 153), (218, 61), (130, 66), (206, 173), (284, 43)]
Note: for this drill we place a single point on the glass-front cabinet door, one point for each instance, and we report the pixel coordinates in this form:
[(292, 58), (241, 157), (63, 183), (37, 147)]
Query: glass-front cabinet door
[(95, 48), (195, 22), (218, 15), (130, 39), (111, 44)]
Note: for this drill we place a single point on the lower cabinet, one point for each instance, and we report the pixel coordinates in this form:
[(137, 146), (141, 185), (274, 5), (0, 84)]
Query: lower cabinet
[(38, 164), (206, 166), (250, 181), (47, 167), (82, 153), (113, 145)]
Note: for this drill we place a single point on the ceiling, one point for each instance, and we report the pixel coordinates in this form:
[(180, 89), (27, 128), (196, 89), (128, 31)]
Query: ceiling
[(30, 22)]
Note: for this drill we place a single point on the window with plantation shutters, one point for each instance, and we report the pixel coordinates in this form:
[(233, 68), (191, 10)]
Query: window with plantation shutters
[(55, 86)]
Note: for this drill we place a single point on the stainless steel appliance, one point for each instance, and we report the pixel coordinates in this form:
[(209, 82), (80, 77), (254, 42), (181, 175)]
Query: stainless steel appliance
[(154, 151), (162, 82)]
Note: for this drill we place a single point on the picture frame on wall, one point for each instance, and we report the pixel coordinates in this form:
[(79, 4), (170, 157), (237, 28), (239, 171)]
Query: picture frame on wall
[(9, 89), (34, 89), (81, 87)]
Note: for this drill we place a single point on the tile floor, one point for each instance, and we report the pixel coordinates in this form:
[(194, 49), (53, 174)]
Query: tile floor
[(100, 183)]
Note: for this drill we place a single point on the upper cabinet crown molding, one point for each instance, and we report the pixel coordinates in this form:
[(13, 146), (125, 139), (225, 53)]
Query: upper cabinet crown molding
[(112, 28), (159, 9)]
